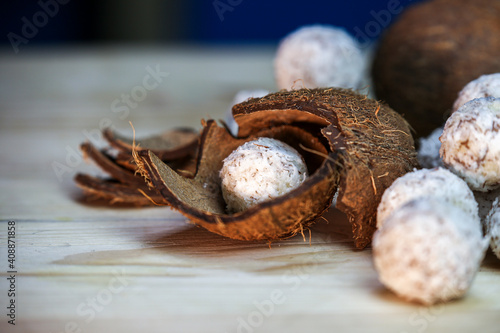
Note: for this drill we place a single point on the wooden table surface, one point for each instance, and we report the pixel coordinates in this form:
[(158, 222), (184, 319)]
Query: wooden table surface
[(92, 268)]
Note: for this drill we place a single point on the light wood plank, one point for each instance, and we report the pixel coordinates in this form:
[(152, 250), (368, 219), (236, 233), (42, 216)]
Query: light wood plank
[(148, 269)]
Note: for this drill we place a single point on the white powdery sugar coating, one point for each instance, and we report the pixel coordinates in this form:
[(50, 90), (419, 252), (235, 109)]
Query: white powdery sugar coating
[(260, 170), (428, 151), (428, 251), (319, 56), (437, 183), (485, 86), (470, 143), (493, 227)]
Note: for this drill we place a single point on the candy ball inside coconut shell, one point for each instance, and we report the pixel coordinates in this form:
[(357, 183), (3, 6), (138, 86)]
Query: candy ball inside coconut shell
[(431, 52), (349, 143)]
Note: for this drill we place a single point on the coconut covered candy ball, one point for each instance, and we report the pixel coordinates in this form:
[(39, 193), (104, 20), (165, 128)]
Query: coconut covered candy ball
[(470, 143), (260, 170), (437, 183), (319, 56), (493, 227), (484, 86), (428, 251)]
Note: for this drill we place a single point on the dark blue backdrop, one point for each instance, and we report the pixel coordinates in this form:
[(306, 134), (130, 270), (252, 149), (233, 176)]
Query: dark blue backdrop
[(270, 20), (219, 21)]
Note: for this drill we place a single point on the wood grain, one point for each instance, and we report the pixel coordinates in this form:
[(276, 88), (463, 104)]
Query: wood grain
[(87, 267)]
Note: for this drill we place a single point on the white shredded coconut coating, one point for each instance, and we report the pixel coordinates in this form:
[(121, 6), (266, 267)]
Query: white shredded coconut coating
[(428, 251), (437, 183), (260, 170), (319, 56), (470, 143), (493, 227), (428, 151), (485, 86)]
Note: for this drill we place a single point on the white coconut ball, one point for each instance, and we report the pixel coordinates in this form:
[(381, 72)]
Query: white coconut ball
[(493, 227), (319, 56), (260, 170), (485, 86), (428, 251), (470, 143), (437, 183)]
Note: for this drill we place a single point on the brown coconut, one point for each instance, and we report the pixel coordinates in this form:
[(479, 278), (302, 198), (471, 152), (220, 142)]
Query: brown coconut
[(350, 143), (431, 52)]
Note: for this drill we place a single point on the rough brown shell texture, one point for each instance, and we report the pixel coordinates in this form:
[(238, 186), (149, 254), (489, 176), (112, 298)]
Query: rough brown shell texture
[(431, 52), (350, 143), (176, 147)]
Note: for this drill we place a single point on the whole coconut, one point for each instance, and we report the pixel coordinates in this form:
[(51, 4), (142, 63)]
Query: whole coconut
[(431, 52)]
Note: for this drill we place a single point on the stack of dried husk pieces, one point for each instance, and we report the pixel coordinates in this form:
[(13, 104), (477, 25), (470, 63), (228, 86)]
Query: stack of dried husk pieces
[(351, 144), (177, 148)]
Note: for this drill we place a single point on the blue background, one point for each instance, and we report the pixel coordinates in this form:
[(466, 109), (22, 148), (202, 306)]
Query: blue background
[(248, 21)]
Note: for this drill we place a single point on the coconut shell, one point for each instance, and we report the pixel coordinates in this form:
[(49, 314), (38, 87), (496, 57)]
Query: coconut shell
[(349, 142), (125, 185), (115, 192), (200, 198), (108, 165), (431, 52), (373, 143), (168, 146)]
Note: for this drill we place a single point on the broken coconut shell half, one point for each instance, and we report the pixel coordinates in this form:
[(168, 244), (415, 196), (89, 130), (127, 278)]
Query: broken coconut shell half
[(349, 142)]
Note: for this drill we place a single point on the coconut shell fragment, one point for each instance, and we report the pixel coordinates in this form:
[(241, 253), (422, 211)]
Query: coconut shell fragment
[(349, 142), (124, 184), (115, 192), (431, 52), (169, 146)]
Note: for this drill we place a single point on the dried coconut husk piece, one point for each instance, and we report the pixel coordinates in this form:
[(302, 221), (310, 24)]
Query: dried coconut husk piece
[(358, 144), (373, 143), (125, 160), (169, 146), (200, 198), (108, 165), (185, 166), (125, 184), (115, 192)]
